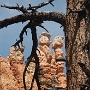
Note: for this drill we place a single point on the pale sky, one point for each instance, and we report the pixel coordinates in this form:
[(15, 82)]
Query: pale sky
[(9, 35)]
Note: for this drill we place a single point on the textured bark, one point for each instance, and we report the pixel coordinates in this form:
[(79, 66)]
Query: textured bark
[(44, 16), (77, 35)]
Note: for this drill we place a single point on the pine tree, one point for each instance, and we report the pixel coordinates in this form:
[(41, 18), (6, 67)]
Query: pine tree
[(76, 24)]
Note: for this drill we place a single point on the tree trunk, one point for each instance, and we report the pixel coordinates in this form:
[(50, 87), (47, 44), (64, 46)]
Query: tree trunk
[(77, 34)]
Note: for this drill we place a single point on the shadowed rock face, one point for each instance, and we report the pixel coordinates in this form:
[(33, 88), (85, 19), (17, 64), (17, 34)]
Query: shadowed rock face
[(11, 68)]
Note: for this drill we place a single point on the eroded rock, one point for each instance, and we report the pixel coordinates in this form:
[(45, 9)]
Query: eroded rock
[(11, 68)]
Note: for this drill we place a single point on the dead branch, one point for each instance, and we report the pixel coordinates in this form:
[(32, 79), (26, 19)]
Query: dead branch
[(36, 19), (32, 26), (21, 36), (45, 16), (32, 8), (18, 7), (43, 28)]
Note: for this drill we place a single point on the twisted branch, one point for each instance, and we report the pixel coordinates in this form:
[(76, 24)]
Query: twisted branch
[(32, 25), (33, 54), (21, 36), (36, 19)]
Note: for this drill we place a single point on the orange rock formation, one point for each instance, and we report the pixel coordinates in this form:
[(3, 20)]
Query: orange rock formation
[(11, 68), (52, 69)]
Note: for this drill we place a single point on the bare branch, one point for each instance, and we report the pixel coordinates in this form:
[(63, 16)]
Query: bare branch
[(32, 25), (40, 5), (32, 8), (43, 28), (50, 16), (21, 36), (18, 7)]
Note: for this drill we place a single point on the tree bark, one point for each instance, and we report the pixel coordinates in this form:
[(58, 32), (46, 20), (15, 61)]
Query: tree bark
[(77, 37), (44, 16)]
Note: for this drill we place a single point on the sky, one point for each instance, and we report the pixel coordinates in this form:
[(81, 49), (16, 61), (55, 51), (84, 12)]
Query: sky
[(9, 35)]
